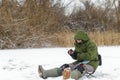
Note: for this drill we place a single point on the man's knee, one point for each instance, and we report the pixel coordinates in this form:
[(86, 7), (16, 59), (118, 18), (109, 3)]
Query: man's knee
[(76, 74)]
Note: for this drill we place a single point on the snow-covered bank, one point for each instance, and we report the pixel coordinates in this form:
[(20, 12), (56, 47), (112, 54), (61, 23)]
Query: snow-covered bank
[(21, 64)]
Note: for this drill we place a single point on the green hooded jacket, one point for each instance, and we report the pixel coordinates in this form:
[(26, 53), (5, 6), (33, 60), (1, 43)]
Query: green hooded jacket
[(87, 50)]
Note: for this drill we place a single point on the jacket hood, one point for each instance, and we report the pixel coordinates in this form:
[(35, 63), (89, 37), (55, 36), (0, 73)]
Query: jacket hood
[(81, 35)]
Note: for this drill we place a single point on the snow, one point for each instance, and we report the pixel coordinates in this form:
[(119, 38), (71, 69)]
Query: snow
[(22, 64)]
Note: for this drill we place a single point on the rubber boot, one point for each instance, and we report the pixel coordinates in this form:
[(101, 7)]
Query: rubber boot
[(75, 74), (48, 73)]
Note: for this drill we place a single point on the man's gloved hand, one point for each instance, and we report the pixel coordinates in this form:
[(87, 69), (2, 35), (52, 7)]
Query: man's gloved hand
[(70, 51)]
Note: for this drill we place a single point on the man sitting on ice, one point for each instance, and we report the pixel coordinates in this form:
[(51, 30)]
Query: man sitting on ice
[(85, 54)]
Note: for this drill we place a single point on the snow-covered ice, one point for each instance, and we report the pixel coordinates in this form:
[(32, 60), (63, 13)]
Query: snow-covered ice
[(22, 64)]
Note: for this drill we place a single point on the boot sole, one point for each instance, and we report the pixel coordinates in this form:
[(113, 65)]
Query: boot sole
[(40, 71)]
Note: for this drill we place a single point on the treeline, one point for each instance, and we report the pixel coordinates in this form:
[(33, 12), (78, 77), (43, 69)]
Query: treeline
[(97, 18), (39, 23)]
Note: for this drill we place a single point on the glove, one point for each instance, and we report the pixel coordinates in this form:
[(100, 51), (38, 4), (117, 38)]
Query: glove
[(66, 73), (64, 66), (70, 51), (81, 68)]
